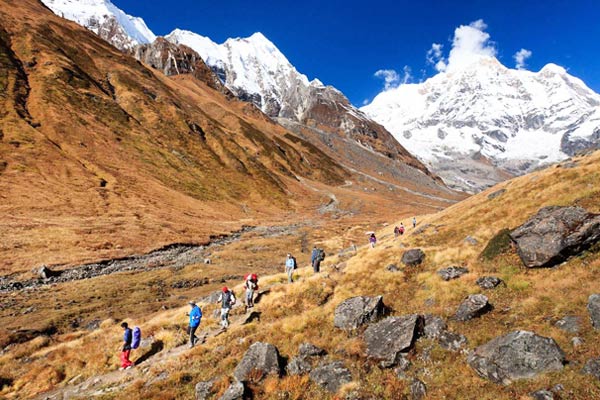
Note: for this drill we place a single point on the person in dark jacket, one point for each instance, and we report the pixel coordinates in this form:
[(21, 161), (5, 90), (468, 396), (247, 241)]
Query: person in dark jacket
[(316, 257), (195, 318), (126, 350)]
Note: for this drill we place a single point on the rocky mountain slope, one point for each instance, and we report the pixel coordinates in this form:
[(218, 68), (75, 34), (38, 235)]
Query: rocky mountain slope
[(106, 20), (103, 156), (475, 124)]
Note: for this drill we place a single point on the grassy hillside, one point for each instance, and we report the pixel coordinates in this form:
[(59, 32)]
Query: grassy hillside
[(532, 299)]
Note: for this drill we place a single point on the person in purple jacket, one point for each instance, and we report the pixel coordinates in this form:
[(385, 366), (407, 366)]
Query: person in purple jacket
[(372, 240)]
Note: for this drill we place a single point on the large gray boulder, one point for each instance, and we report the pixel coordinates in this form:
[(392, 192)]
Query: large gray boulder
[(303, 362), (261, 357), (357, 311), (386, 339), (592, 367), (235, 391), (413, 257), (593, 307), (452, 273), (331, 376), (472, 307), (554, 234), (517, 355)]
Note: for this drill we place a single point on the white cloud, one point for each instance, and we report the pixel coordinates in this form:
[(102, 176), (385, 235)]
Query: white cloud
[(470, 43), (390, 77), (393, 79), (436, 58), (520, 57)]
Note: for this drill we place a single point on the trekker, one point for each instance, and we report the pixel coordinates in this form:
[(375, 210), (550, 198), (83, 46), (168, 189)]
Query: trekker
[(372, 240), (126, 351), (227, 300), (414, 221), (251, 284), (396, 232), (401, 229), (290, 266), (195, 318), (316, 257)]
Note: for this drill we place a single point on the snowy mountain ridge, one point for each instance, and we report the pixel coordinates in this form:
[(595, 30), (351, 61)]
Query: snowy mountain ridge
[(484, 113), (106, 20)]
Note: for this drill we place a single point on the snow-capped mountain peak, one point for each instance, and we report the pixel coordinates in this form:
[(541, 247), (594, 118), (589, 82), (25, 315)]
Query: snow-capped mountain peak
[(459, 121), (106, 20)]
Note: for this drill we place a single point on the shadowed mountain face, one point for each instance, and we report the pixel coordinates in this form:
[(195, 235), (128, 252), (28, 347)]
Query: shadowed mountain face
[(101, 155)]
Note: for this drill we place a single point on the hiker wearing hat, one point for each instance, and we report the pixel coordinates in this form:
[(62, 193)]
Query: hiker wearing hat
[(227, 300), (290, 266), (195, 317)]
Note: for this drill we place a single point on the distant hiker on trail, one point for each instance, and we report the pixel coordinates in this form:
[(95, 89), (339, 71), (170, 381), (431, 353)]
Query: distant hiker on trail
[(414, 222), (195, 315), (372, 240), (316, 257), (290, 266), (251, 285), (227, 300), (396, 232), (126, 351), (401, 229)]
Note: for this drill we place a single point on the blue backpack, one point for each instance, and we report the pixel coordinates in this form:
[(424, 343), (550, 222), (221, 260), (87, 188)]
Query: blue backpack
[(137, 337)]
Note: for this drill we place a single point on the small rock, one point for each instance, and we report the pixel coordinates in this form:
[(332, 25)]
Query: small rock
[(392, 268), (263, 357), (496, 194), (357, 311), (471, 240), (452, 341), (418, 390), (385, 339), (331, 376), (251, 317), (517, 355), (593, 308), (576, 341), (204, 390), (488, 282), (433, 326), (542, 394), (235, 391), (413, 257), (299, 366), (309, 349), (474, 306), (569, 323), (46, 273), (452, 272), (592, 367), (207, 261)]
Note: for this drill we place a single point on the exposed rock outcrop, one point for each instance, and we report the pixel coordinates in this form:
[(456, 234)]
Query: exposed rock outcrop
[(331, 376), (592, 367), (452, 341), (388, 338), (357, 311), (433, 326), (517, 355), (262, 357), (569, 323), (554, 234), (488, 282), (473, 306), (413, 257), (235, 391)]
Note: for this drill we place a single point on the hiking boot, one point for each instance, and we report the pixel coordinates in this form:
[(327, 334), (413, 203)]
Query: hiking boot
[(129, 367)]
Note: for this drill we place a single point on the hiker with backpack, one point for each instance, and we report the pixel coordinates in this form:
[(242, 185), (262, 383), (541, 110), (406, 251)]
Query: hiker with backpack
[(126, 350), (316, 257), (290, 266), (401, 229), (227, 300), (251, 284), (195, 315), (396, 232), (372, 240)]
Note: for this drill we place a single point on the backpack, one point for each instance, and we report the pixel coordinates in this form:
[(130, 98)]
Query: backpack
[(295, 263), (321, 255), (137, 337)]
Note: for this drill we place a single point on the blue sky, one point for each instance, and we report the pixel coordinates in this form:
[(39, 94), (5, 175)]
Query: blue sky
[(343, 43)]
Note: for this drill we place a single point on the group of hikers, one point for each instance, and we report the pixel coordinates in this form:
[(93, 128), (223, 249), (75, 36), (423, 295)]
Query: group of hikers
[(398, 231), (132, 338)]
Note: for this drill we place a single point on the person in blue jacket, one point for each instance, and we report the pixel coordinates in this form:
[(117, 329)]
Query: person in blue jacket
[(195, 318)]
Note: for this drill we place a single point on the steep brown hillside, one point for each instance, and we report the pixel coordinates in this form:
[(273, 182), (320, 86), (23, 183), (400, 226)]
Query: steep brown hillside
[(102, 156)]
